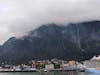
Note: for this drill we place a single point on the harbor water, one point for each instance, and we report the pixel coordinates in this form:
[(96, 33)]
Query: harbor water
[(46, 73)]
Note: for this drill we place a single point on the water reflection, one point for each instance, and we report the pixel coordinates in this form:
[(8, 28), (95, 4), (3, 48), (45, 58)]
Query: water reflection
[(60, 73), (48, 73)]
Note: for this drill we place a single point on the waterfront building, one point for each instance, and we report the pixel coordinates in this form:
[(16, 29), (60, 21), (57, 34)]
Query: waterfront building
[(49, 67), (92, 63)]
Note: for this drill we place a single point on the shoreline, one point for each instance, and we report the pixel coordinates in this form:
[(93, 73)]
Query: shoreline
[(44, 71)]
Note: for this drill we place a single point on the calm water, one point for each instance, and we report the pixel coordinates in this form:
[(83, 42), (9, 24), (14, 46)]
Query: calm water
[(49, 73)]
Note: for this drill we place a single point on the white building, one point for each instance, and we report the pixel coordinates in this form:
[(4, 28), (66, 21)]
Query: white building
[(49, 67), (93, 63)]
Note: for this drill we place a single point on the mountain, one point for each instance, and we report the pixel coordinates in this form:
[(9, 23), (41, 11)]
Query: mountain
[(80, 41)]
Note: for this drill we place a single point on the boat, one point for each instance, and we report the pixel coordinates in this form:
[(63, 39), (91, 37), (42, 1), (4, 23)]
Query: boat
[(92, 70), (46, 70)]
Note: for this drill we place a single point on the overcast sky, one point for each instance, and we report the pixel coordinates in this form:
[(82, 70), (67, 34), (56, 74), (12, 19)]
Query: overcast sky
[(20, 16)]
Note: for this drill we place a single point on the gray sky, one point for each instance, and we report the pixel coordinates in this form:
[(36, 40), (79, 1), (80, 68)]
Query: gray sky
[(20, 16)]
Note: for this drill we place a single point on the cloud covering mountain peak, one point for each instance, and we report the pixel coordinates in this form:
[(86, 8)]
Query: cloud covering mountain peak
[(20, 16)]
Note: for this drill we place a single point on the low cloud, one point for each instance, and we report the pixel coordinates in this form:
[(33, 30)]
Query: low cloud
[(20, 16)]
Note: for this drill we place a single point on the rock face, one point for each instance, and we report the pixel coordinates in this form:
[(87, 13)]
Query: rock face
[(78, 41)]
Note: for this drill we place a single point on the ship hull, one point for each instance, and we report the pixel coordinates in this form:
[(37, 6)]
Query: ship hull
[(92, 70)]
